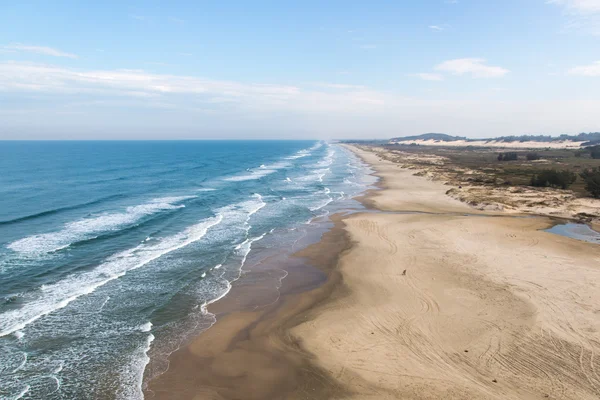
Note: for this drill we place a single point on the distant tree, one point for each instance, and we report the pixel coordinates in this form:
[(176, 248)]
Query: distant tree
[(533, 156), (500, 156), (510, 156), (553, 178), (591, 177), (595, 152)]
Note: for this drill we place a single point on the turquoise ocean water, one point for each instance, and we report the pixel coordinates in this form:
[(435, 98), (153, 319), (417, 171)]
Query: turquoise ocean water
[(110, 251)]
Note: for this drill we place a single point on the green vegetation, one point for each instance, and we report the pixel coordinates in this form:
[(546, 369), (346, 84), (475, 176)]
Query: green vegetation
[(591, 177), (582, 137), (594, 152), (533, 156), (480, 166), (510, 156), (589, 138), (553, 178), (432, 136)]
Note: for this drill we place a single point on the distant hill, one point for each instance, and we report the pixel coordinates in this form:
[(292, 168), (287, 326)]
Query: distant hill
[(525, 141), (432, 136)]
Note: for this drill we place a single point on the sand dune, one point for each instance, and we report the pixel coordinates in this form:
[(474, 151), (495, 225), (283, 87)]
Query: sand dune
[(557, 144)]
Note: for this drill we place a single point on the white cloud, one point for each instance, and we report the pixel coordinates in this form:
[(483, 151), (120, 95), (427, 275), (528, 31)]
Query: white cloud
[(476, 67), (581, 6), (426, 76), (436, 28), (340, 86), (583, 15), (586, 70), (41, 78), (47, 51), (75, 103)]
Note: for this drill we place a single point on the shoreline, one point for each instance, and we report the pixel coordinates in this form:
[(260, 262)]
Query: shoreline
[(246, 353), (466, 320)]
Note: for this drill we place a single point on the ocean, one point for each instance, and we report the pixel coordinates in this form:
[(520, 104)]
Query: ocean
[(110, 252)]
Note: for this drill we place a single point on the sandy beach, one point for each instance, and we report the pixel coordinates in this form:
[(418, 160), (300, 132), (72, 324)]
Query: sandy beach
[(426, 298)]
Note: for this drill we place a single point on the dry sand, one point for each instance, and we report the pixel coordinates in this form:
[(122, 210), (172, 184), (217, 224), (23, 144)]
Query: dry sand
[(558, 144), (551, 202), (490, 307)]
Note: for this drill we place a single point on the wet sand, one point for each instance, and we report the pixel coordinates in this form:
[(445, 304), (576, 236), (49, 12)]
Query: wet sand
[(404, 305), (249, 352)]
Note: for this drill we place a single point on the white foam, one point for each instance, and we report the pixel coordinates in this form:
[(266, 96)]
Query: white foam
[(136, 372), (258, 206), (305, 152), (23, 392), (244, 248), (146, 327), (218, 266), (59, 368), (300, 154), (205, 305), (327, 160), (55, 296), (257, 173), (57, 381), (203, 275), (316, 175), (22, 364), (19, 335), (88, 228), (103, 304), (323, 203)]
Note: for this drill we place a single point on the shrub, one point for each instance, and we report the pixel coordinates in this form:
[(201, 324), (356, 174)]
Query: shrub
[(595, 152), (510, 156), (533, 156), (553, 178), (591, 177)]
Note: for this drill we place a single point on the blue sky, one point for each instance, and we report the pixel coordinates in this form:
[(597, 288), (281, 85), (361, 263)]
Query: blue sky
[(310, 69)]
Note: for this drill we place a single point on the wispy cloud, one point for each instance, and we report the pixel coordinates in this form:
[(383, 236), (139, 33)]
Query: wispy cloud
[(475, 67), (581, 6), (178, 104), (28, 77), (586, 70), (583, 15), (176, 20), (341, 86), (47, 51), (436, 28), (429, 76)]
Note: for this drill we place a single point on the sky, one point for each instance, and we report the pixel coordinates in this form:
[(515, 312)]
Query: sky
[(297, 69)]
